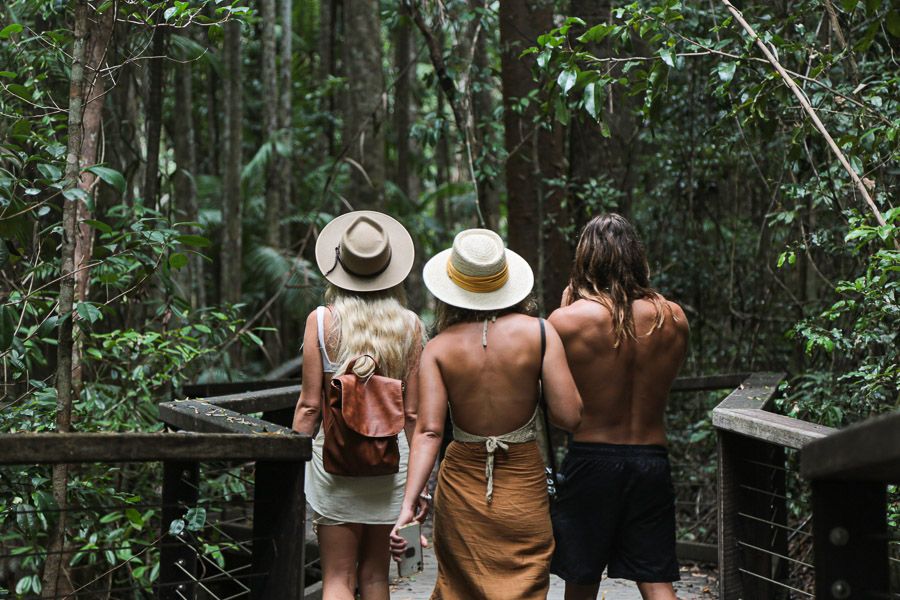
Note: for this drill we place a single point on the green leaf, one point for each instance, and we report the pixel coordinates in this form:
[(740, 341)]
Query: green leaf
[(9, 30), (198, 241), (597, 33), (177, 260), (590, 100), (109, 176), (98, 225), (8, 74), (51, 172), (849, 5), (668, 56), (566, 81), (196, 518), (88, 311), (176, 526), (726, 70), (893, 23), (135, 517)]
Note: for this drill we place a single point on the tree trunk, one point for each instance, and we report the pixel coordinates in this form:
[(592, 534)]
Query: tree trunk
[(363, 133), (535, 155), (286, 109), (270, 121), (483, 114), (192, 277), (327, 42), (404, 113), (54, 575), (230, 256), (94, 93), (155, 80)]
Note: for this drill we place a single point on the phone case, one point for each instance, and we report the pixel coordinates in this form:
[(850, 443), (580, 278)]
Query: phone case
[(412, 559)]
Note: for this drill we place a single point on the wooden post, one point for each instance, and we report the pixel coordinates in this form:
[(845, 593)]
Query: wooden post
[(279, 525), (728, 448), (180, 481), (851, 542)]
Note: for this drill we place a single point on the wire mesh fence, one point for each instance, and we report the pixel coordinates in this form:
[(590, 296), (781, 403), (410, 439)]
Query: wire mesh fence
[(132, 532)]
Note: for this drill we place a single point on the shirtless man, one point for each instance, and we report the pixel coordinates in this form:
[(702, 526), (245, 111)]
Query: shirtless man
[(625, 344)]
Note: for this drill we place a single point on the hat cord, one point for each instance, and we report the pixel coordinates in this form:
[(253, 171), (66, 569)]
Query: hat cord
[(338, 261)]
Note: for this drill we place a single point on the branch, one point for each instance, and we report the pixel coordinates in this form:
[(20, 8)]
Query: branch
[(804, 102)]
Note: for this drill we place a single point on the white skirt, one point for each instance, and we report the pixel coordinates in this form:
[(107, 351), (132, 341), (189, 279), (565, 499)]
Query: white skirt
[(369, 500)]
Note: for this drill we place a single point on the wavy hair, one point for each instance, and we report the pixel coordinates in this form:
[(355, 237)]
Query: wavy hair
[(376, 323), (611, 269)]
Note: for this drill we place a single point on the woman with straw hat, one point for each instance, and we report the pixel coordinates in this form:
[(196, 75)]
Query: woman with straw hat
[(365, 257), (492, 533)]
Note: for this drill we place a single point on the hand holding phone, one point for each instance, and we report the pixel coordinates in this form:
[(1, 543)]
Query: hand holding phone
[(411, 561)]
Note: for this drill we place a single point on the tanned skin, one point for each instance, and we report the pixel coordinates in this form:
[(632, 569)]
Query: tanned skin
[(491, 390), (624, 389)]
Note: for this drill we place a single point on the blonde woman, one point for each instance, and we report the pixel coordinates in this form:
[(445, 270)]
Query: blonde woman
[(492, 533), (364, 256)]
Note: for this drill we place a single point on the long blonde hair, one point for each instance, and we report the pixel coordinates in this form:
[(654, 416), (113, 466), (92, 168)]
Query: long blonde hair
[(375, 323)]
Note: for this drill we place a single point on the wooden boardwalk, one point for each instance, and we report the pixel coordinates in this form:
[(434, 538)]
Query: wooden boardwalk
[(695, 585)]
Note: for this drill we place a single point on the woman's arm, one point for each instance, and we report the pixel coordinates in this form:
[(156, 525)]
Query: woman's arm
[(560, 392), (411, 397), (309, 406), (426, 441)]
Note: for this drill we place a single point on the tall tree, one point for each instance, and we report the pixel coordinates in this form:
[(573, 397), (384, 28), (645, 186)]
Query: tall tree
[(183, 136), (535, 154), (483, 117), (154, 109), (86, 93), (230, 272), (286, 106), (363, 131), (329, 18), (270, 121)]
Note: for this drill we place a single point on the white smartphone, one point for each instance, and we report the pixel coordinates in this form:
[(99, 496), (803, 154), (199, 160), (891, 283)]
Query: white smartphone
[(412, 562)]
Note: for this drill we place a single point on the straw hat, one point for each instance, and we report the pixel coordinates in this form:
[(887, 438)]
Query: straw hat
[(478, 273), (364, 251)]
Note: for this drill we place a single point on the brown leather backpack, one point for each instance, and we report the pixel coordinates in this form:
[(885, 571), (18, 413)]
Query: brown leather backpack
[(362, 418)]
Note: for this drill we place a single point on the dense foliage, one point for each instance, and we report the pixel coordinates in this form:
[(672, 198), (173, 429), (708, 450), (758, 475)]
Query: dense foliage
[(198, 205)]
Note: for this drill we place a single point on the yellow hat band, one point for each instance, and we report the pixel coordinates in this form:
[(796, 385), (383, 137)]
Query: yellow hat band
[(479, 285)]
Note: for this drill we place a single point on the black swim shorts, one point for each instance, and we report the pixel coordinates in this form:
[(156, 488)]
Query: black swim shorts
[(615, 509)]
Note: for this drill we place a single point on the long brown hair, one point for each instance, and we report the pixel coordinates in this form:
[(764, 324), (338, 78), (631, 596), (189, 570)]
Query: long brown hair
[(611, 268)]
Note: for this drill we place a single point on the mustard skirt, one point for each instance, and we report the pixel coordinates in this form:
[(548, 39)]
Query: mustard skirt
[(492, 550)]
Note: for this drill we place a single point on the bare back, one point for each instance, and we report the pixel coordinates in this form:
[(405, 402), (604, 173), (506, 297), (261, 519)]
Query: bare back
[(624, 389), (492, 390)]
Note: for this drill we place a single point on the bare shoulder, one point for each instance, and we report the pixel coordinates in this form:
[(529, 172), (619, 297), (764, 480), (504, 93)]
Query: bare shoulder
[(678, 317), (577, 315)]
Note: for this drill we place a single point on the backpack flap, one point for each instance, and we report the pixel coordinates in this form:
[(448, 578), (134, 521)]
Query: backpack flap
[(372, 407)]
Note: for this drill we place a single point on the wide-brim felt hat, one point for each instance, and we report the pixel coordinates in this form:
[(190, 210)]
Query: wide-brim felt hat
[(365, 251), (478, 273)]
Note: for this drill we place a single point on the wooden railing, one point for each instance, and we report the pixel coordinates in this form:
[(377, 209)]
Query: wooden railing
[(850, 471), (279, 507), (276, 534), (755, 536), (779, 536)]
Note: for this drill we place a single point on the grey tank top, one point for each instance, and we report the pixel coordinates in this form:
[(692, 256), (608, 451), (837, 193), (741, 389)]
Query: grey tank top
[(327, 365)]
